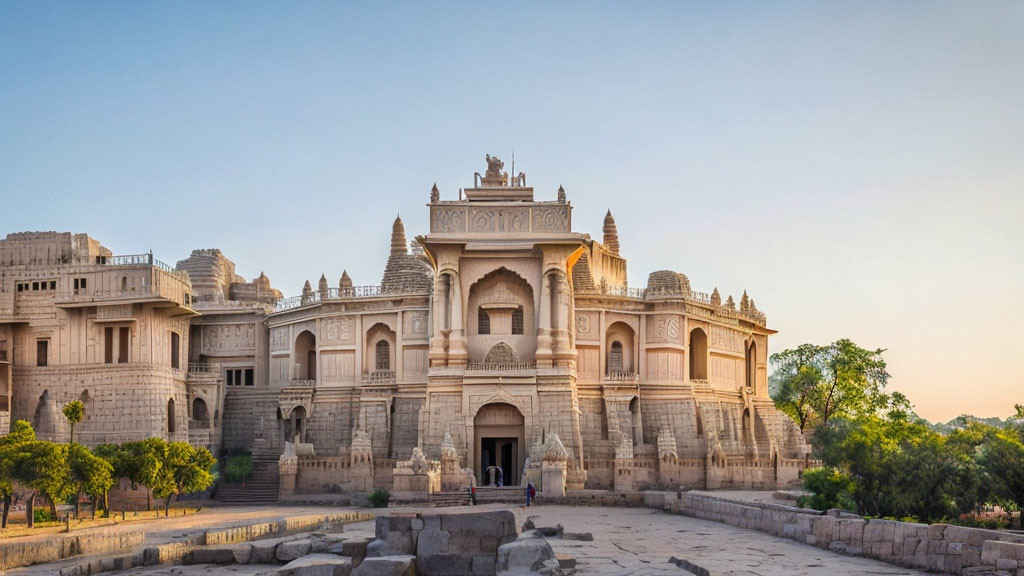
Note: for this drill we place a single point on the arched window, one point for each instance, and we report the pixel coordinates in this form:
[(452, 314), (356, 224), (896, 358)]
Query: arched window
[(175, 351), (383, 355), (483, 322), (200, 413), (615, 358), (170, 416), (698, 355), (517, 320)]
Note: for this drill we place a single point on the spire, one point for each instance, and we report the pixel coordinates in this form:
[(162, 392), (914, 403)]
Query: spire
[(744, 302), (716, 298), (322, 286), (611, 234), (730, 303), (561, 194), (398, 236), (435, 194), (345, 281)]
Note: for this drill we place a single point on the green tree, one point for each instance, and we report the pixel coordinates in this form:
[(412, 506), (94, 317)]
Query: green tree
[(814, 384), (1003, 458), (44, 469), (90, 475), (11, 454), (829, 487), (184, 469), (140, 462), (74, 411)]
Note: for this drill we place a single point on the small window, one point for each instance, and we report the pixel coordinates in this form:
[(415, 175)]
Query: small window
[(383, 355), (53, 284), (21, 287), (230, 377), (82, 282), (42, 352), (175, 344), (615, 358), (483, 322), (249, 377), (517, 320), (124, 283), (123, 344), (76, 283), (35, 286), (108, 345)]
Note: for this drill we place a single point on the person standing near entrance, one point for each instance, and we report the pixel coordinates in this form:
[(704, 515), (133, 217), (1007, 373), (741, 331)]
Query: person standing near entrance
[(531, 493)]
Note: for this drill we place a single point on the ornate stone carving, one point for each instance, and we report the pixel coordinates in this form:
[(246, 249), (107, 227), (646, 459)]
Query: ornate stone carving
[(550, 219), (336, 329), (555, 450), (279, 338), (583, 323), (448, 220), (227, 337)]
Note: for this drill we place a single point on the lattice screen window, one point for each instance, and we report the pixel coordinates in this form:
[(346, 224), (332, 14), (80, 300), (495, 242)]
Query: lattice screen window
[(517, 320), (483, 322), (383, 355), (615, 358)]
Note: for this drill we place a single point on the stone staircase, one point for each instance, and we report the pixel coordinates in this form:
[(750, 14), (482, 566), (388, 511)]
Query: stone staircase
[(439, 499), (261, 488), (505, 494)]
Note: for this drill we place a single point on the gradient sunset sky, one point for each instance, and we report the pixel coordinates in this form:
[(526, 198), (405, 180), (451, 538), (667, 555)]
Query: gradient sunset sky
[(857, 167)]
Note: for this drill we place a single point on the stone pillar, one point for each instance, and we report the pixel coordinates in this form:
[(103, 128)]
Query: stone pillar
[(288, 470), (553, 479), (624, 465), (399, 349), (437, 357), (458, 352), (544, 320)]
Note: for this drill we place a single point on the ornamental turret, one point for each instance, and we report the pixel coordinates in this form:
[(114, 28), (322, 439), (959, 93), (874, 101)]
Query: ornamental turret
[(611, 233)]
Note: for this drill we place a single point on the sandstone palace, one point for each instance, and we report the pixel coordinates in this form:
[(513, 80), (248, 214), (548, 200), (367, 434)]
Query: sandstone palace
[(501, 346)]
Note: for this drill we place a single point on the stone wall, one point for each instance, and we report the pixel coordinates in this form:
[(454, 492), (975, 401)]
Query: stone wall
[(123, 402), (938, 547)]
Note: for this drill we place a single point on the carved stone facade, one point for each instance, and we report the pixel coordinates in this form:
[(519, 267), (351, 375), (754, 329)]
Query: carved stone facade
[(502, 340)]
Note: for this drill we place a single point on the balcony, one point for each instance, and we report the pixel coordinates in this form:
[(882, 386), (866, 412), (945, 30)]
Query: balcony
[(379, 377), (501, 366), (136, 278)]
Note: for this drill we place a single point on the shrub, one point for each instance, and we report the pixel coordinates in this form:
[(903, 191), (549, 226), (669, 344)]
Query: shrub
[(987, 520), (379, 498), (42, 515), (831, 489), (238, 468)]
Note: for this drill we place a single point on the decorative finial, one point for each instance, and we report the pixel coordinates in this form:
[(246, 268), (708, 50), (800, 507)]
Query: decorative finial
[(730, 303), (322, 286), (716, 298), (307, 289), (435, 194), (561, 194), (611, 233), (398, 236), (345, 282), (744, 302)]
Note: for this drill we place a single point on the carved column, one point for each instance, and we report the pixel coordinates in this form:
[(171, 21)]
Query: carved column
[(544, 321), (437, 357), (458, 352)]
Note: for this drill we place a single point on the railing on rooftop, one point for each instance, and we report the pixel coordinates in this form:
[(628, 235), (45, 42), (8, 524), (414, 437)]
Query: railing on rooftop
[(203, 367), (144, 260), (329, 294), (627, 292)]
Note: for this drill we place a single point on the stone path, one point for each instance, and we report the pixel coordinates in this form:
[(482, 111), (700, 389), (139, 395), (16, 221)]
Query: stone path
[(640, 541), (627, 541)]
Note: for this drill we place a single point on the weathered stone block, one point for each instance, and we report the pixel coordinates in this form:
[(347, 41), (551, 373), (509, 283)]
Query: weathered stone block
[(317, 565), (292, 549), (386, 566)]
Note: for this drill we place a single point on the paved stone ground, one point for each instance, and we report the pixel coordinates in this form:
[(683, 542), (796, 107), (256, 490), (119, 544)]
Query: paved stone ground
[(627, 541), (640, 541)]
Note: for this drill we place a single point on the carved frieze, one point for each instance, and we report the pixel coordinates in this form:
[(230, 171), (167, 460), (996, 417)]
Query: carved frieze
[(279, 339), (448, 220), (228, 337), (666, 329), (336, 330), (550, 219), (415, 323)]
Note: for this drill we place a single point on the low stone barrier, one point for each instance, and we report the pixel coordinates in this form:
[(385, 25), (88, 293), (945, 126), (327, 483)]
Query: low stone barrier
[(15, 554), (120, 546), (936, 547)]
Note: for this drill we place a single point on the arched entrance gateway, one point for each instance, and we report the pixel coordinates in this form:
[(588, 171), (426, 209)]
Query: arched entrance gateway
[(499, 439)]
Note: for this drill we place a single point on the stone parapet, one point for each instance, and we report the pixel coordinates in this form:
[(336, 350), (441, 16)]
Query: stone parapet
[(938, 547)]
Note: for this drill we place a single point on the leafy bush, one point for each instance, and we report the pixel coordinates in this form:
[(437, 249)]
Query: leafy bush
[(238, 468), (988, 520), (831, 489), (379, 498), (42, 515)]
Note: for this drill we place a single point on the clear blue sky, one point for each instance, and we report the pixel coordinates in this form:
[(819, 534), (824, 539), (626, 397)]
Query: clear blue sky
[(857, 167)]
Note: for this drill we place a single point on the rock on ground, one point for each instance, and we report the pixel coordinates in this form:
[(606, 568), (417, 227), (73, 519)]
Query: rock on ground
[(317, 565), (387, 566), (527, 556)]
